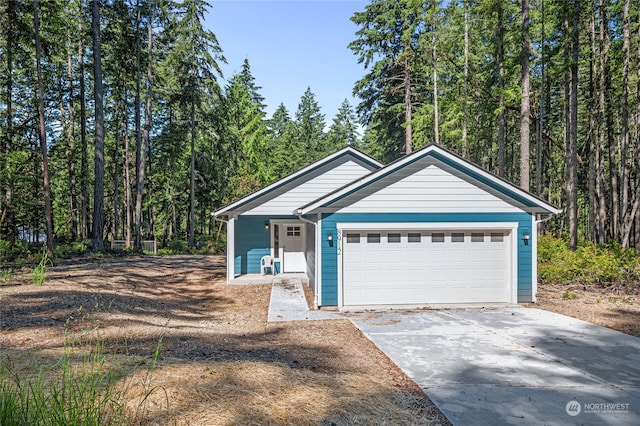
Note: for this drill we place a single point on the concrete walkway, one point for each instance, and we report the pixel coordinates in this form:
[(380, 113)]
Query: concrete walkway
[(513, 365), (288, 303)]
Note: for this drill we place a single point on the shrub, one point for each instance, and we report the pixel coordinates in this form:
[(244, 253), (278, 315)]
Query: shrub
[(589, 264)]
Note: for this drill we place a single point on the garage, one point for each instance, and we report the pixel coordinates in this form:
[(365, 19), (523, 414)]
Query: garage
[(427, 266), (429, 228)]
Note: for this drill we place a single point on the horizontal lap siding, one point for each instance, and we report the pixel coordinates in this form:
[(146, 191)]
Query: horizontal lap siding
[(421, 220), (301, 193), (430, 189), (252, 242)]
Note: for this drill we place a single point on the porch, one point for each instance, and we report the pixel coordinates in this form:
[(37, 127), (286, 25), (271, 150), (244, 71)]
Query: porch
[(268, 278)]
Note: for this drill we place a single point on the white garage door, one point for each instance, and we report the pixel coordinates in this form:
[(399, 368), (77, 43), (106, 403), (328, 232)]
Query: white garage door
[(422, 267)]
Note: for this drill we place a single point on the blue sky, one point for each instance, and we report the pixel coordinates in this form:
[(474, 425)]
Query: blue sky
[(291, 45)]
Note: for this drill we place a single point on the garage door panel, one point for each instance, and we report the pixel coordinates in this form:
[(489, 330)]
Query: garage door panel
[(421, 267)]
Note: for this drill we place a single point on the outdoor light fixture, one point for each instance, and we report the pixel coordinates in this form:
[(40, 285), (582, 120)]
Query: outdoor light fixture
[(330, 239), (525, 238), (266, 226)]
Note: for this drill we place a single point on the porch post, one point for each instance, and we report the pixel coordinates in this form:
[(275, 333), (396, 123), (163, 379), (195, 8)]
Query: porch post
[(231, 246)]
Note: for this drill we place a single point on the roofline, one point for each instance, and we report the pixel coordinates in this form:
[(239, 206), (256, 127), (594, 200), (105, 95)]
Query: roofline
[(294, 175), (354, 186)]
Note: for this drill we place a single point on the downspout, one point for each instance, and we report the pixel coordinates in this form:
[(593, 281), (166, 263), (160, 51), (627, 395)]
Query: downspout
[(317, 242)]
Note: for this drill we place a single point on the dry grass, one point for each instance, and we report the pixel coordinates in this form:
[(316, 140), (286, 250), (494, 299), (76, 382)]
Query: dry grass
[(258, 393), (220, 362)]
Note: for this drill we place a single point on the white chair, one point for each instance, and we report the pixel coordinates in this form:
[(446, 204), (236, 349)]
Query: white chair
[(266, 263)]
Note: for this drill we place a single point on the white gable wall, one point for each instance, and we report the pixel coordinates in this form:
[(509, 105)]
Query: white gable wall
[(319, 186), (429, 190)]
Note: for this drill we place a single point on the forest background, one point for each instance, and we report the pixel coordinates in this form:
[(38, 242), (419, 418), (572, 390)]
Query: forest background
[(114, 126)]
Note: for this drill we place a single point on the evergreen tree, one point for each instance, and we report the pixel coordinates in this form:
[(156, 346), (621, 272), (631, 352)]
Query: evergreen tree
[(388, 44), (245, 134), (343, 130), (281, 133), (309, 141), (193, 62)]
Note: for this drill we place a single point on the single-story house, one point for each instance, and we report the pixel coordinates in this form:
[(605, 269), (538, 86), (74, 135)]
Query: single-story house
[(429, 228)]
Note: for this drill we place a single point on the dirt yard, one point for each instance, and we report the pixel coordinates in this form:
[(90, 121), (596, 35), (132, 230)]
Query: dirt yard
[(220, 361), (616, 307)]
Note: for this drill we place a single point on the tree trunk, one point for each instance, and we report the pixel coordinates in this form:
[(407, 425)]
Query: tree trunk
[(605, 89), (7, 215), (626, 220), (501, 117), (572, 148), (71, 156), (594, 230), (436, 114), (524, 102), (116, 174), (48, 213), (149, 94), (408, 131), (140, 154), (127, 179), (192, 175), (98, 185), (84, 161), (542, 106), (600, 150), (465, 87)]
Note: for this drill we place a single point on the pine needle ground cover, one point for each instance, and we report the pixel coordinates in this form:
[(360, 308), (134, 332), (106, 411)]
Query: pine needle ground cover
[(164, 340)]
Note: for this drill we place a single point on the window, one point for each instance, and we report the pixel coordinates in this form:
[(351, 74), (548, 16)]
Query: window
[(393, 238), (497, 237), (437, 237), (353, 238), (414, 237), (373, 238), (477, 237), (457, 237), (293, 231)]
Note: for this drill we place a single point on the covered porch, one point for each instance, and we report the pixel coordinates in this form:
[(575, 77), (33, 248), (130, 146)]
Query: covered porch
[(268, 278)]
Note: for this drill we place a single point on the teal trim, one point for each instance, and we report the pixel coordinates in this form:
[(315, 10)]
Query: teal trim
[(329, 261), (252, 241)]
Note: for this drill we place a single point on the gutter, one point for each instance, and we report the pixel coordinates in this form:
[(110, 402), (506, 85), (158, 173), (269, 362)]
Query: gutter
[(539, 221)]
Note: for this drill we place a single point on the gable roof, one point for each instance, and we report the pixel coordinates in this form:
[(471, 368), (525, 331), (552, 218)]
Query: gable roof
[(298, 178), (463, 168)]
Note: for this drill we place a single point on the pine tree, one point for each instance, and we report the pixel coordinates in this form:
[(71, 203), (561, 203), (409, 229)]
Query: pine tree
[(309, 142), (193, 62), (344, 129)]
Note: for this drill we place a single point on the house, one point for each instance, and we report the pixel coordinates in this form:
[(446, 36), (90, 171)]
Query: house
[(429, 228)]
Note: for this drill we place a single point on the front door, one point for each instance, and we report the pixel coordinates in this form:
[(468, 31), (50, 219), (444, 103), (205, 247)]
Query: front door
[(291, 247)]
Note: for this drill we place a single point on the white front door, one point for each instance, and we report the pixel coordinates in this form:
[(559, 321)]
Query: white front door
[(291, 247)]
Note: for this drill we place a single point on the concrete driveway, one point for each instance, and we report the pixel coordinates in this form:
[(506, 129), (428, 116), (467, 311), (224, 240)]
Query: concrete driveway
[(513, 365)]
